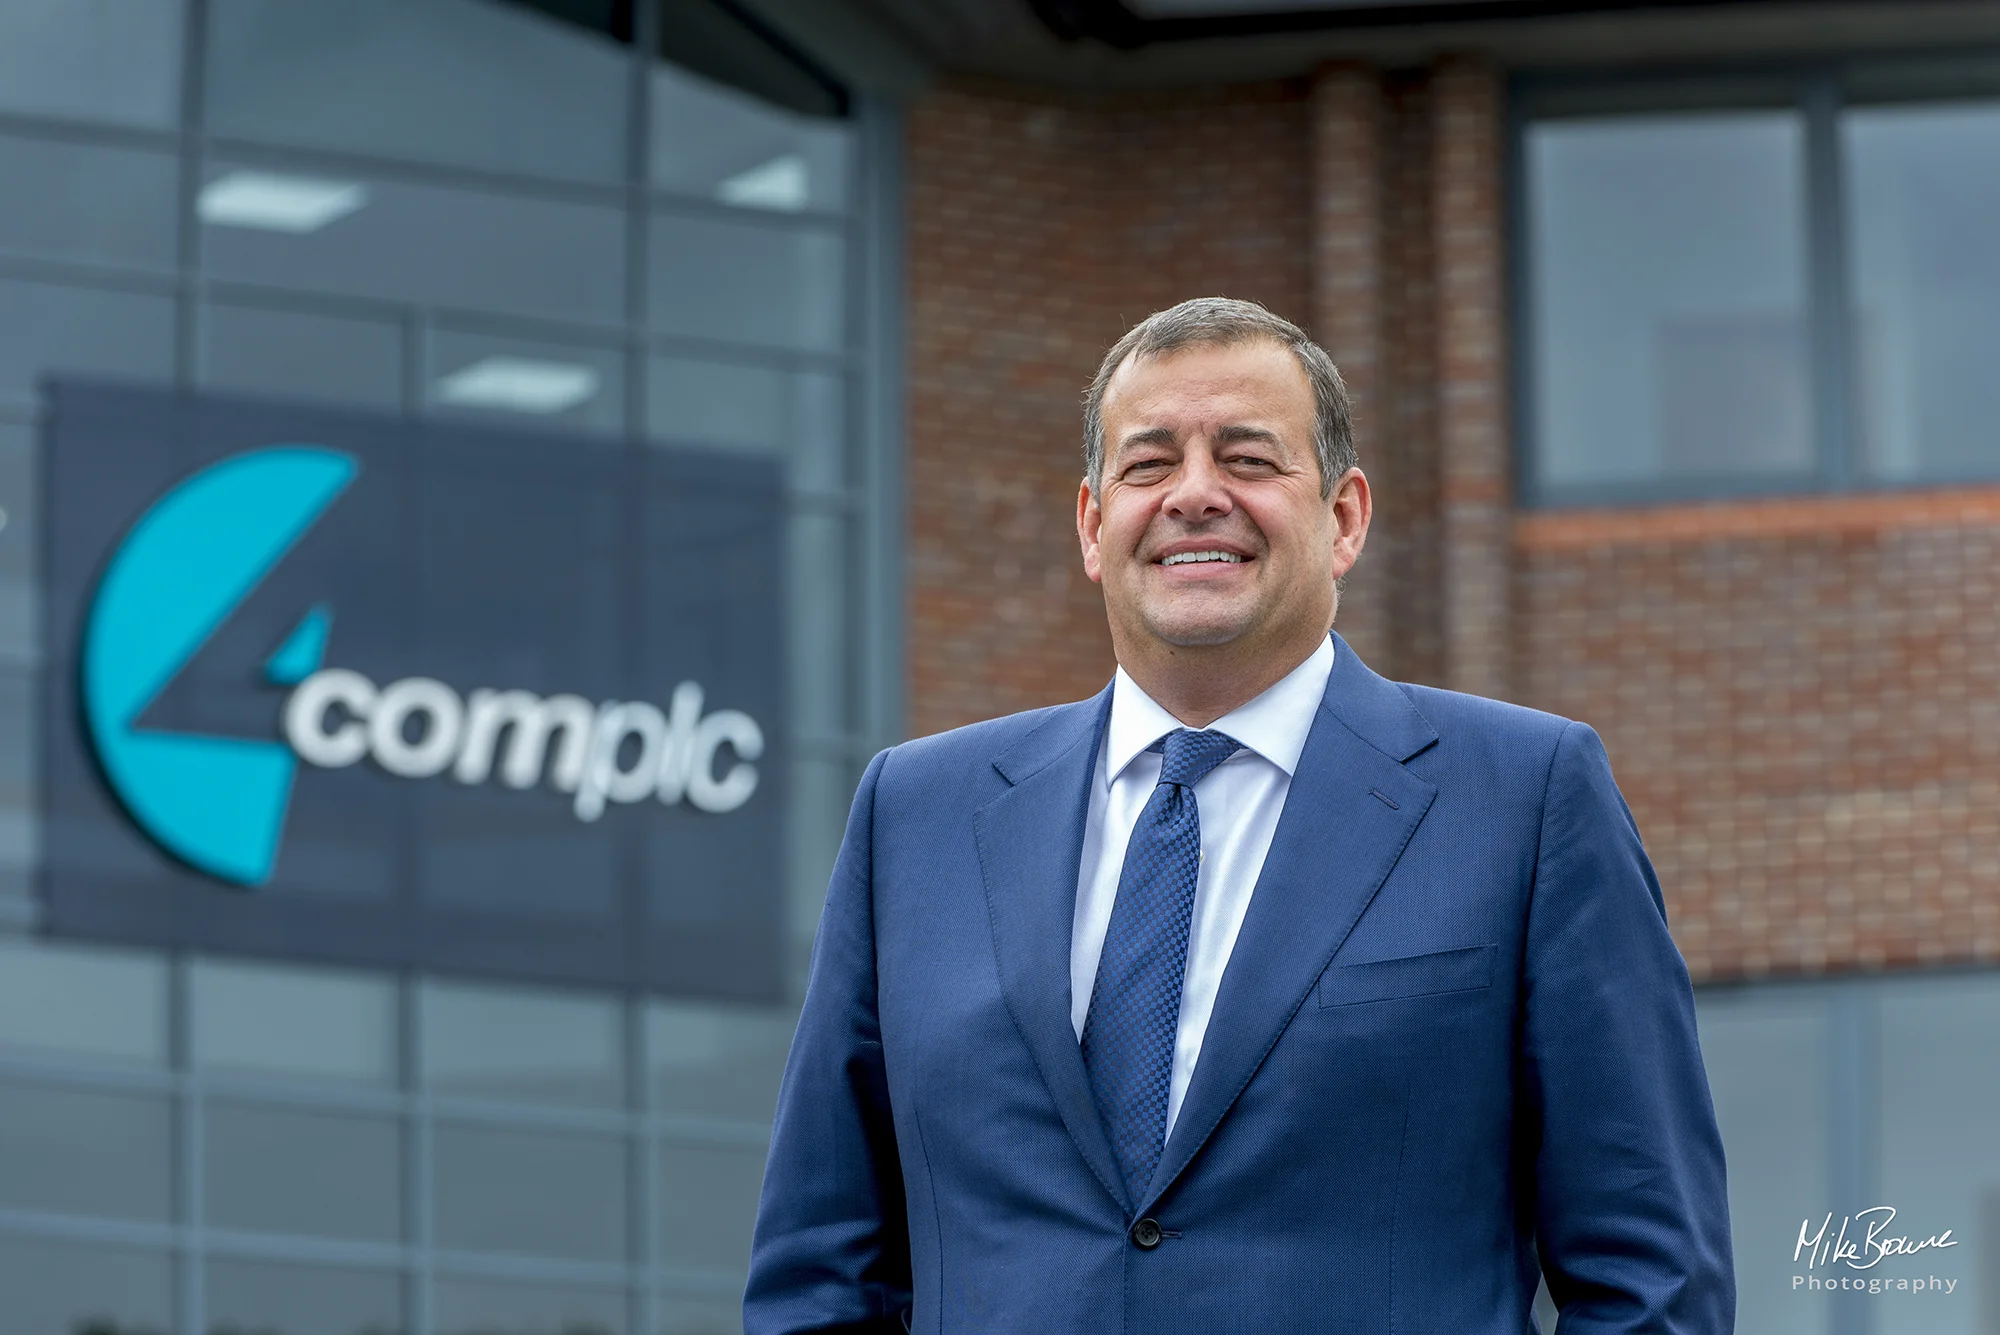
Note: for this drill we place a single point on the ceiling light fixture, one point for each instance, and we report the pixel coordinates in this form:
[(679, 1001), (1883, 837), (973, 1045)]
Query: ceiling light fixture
[(781, 184), (274, 203), (518, 384)]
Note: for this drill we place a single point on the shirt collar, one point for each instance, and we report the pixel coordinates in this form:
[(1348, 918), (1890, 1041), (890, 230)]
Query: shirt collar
[(1274, 725)]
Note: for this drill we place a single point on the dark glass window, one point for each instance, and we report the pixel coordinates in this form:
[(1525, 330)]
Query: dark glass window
[(1794, 292)]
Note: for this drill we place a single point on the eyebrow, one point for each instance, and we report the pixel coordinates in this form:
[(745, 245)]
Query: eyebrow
[(1237, 433), (1152, 435)]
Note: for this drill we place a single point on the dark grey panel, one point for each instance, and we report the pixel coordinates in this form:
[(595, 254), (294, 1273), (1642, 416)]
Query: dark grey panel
[(59, 1287), (442, 81), (291, 1170), (304, 354), (84, 1151), (482, 559), (114, 60), (54, 328), (78, 201), (540, 1193)]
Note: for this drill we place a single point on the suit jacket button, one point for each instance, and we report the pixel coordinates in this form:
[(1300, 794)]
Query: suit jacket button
[(1146, 1234)]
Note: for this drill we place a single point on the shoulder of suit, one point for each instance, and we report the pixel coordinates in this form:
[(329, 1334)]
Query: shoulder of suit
[(980, 742), (1454, 713)]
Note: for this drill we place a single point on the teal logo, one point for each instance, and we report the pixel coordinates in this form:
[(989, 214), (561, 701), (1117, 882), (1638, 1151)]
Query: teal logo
[(216, 803)]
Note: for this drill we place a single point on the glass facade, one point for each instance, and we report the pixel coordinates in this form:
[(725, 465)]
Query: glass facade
[(358, 204), (1781, 285)]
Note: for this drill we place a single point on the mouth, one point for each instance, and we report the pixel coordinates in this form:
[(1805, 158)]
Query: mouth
[(1210, 556)]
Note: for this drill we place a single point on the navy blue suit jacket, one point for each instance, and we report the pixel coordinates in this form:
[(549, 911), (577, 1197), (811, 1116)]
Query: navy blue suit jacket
[(1453, 1033)]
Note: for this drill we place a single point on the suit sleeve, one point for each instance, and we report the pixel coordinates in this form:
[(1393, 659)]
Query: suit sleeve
[(831, 1251), (1632, 1215)]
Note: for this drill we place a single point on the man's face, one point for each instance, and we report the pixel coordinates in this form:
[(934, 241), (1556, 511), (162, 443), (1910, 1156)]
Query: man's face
[(1208, 526)]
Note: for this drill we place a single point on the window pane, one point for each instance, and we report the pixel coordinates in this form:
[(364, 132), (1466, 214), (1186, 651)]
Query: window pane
[(440, 80), (700, 1316), (83, 1151), (112, 60), (544, 1193), (709, 1061), (57, 1288), (432, 245), (747, 283), (295, 1171), (716, 142), (1667, 282), (93, 1003), (304, 354), (509, 1043), (708, 1204), (476, 1307), (269, 1298), (1767, 1069), (821, 685), (794, 414), (271, 1020), (1940, 1162), (1923, 188), (526, 382), (54, 328), (85, 202)]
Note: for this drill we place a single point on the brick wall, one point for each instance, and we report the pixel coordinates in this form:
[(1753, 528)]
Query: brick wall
[(1801, 698)]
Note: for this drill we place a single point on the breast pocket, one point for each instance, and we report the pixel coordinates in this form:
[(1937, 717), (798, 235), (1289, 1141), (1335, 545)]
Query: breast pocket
[(1462, 970)]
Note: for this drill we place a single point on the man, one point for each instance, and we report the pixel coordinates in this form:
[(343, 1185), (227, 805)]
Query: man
[(1257, 994)]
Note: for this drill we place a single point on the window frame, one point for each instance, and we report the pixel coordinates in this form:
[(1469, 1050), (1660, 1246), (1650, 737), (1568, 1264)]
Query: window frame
[(1820, 93)]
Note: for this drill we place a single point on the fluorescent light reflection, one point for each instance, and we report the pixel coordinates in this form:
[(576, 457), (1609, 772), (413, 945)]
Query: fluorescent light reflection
[(519, 384), (782, 183), (274, 203)]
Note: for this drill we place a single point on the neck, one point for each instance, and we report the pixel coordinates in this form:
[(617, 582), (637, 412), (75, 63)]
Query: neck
[(1198, 684)]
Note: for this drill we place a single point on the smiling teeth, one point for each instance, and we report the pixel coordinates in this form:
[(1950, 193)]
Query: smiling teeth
[(1185, 558)]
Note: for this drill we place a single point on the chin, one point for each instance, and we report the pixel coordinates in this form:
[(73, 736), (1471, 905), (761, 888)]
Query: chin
[(1196, 632)]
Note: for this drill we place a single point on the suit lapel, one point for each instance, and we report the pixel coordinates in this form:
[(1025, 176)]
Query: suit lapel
[(1030, 842), (1334, 846)]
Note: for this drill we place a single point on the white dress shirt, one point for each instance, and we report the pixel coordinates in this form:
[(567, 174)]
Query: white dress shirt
[(1239, 801)]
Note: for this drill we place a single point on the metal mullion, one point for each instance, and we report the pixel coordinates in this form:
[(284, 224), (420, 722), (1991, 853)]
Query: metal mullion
[(188, 1166), (644, 1202), (50, 1070), (188, 321), (1854, 1071), (680, 204), (530, 1116), (524, 1267), (877, 448), (252, 1092), (89, 273), (58, 1227), (251, 1245), (706, 348), (1829, 300), (23, 125), (717, 1132), (418, 1215)]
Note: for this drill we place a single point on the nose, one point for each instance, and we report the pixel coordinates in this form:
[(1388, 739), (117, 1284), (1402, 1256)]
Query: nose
[(1199, 490)]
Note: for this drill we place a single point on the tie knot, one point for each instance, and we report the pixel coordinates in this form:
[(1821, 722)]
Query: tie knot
[(1190, 755)]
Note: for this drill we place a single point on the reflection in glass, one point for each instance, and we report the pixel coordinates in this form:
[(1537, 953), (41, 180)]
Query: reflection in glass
[(482, 1307), (93, 1003), (270, 1298), (402, 241), (1940, 1161), (543, 1193), (716, 1061), (1767, 1055), (698, 1316), (744, 282), (716, 142), (520, 1043), (437, 80), (83, 1151), (305, 354), (75, 201), (277, 1020), (526, 382), (294, 1170), (60, 1288), (1923, 189), (708, 1204), (796, 414), (51, 328), (1667, 291), (111, 60)]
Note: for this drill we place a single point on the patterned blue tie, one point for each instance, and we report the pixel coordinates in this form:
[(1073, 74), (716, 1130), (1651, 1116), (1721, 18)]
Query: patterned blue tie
[(1135, 1007)]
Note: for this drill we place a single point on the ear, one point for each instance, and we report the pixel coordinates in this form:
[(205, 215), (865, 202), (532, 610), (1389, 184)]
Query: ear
[(1353, 507), (1089, 519)]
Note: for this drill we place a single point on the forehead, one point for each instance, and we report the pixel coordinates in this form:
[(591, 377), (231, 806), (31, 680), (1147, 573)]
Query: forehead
[(1257, 380)]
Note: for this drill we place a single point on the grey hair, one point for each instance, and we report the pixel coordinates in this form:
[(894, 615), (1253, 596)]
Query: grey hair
[(1220, 322)]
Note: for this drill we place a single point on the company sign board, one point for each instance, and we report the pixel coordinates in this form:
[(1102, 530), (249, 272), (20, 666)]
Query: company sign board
[(333, 686)]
